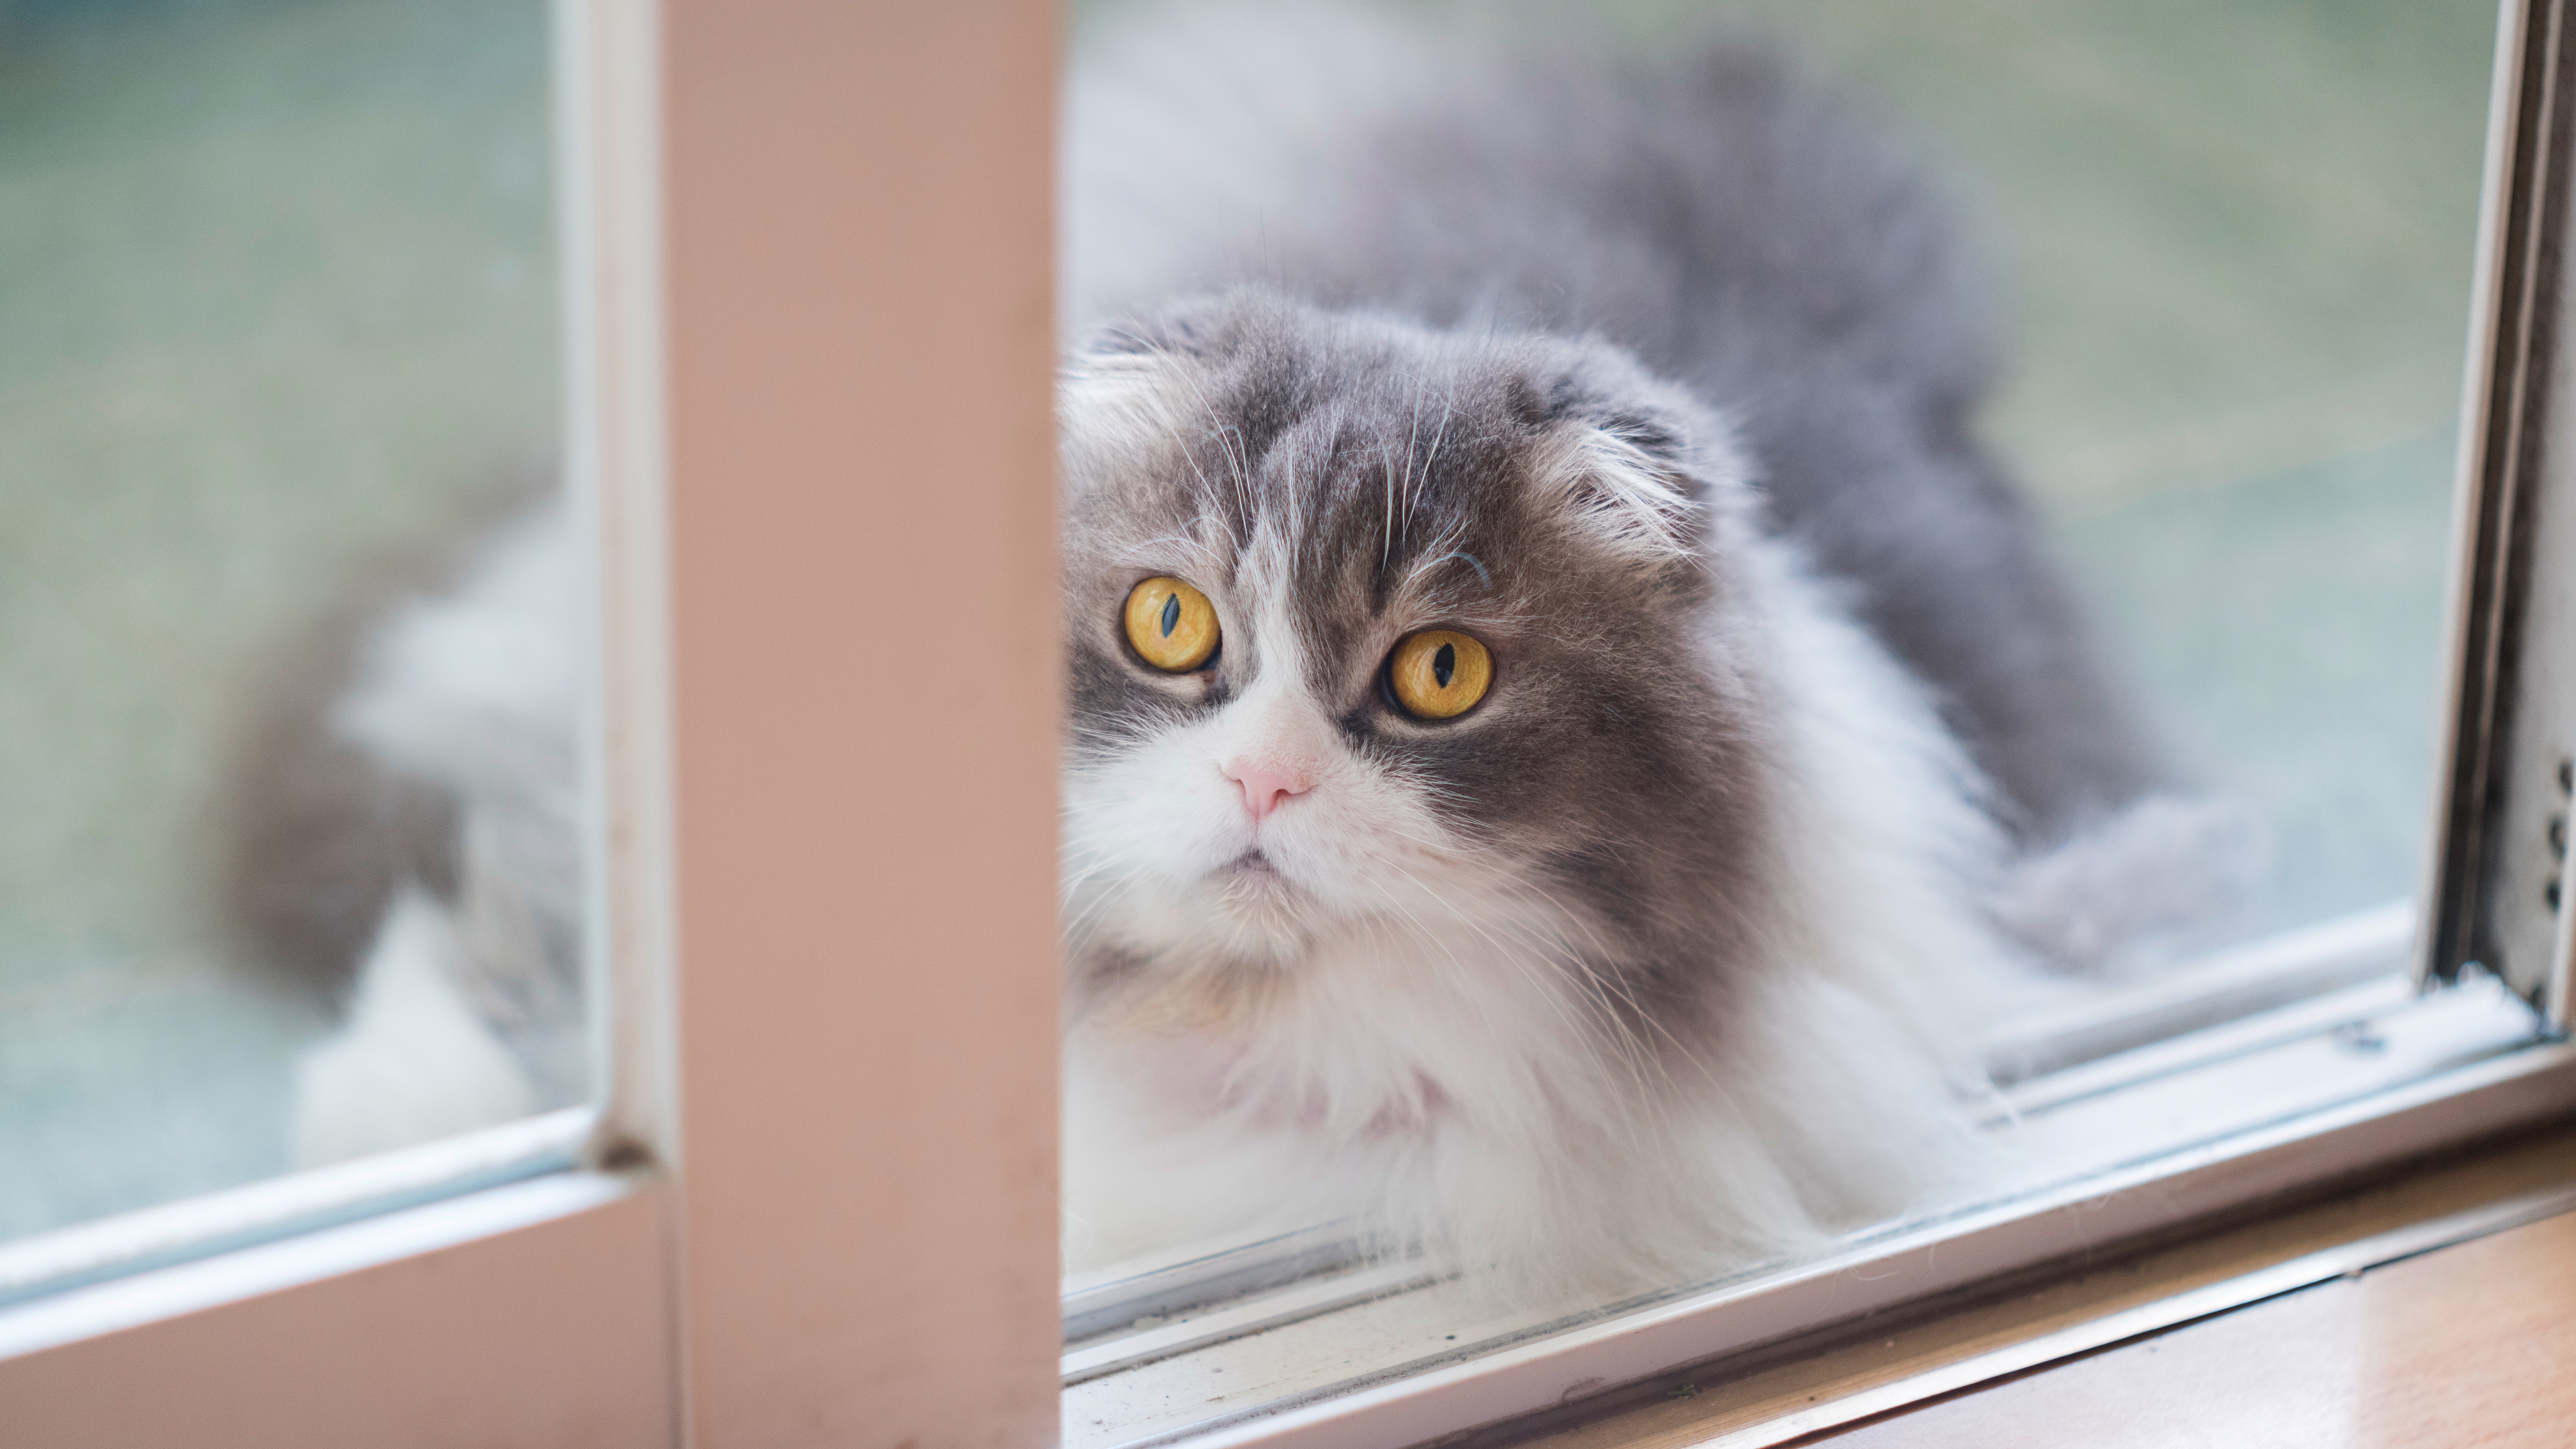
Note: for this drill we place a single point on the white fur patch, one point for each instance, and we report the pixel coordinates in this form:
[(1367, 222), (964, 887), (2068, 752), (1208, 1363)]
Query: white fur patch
[(478, 690), (1627, 500), (415, 1062), (475, 691)]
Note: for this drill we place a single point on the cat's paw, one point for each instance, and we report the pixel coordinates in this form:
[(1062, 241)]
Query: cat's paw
[(416, 1062), (2119, 894)]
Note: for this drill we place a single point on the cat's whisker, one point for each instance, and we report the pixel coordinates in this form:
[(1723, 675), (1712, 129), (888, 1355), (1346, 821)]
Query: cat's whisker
[(1610, 981), (1588, 981), (1448, 406), (1412, 435), (1583, 1039), (1475, 997), (1227, 437)]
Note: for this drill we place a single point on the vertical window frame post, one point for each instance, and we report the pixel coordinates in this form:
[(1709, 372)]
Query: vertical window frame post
[(2512, 615), (858, 249)]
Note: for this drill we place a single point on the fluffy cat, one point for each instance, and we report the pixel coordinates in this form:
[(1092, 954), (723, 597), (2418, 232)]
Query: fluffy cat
[(1567, 730), (1654, 379)]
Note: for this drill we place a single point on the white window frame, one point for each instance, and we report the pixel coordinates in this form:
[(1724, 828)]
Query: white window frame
[(2508, 740), (809, 253)]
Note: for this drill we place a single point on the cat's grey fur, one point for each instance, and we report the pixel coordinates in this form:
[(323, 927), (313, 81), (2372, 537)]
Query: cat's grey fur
[(1655, 376), (1713, 216)]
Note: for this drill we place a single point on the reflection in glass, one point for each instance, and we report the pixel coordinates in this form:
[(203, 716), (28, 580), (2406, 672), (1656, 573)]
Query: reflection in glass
[(280, 328)]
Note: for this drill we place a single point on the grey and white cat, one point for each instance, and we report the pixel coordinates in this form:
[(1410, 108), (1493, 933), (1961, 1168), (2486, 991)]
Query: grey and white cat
[(1568, 732)]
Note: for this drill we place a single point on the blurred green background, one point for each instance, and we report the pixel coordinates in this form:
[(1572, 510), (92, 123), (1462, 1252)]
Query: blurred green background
[(277, 289), (276, 292)]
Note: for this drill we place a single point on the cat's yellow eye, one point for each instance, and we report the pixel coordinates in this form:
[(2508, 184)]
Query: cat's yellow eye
[(1171, 624), (1439, 673)]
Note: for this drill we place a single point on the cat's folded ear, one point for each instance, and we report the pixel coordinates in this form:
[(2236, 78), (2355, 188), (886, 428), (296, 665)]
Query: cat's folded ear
[(1122, 346), (1198, 328), (1631, 463), (1130, 387), (1120, 390)]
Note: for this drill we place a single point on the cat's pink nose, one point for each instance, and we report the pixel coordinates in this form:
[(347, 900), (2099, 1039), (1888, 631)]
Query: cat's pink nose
[(1266, 786)]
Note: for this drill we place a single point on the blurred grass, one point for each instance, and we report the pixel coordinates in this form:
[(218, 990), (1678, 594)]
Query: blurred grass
[(276, 288)]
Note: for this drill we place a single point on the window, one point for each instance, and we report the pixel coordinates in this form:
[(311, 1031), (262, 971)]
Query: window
[(284, 301), (720, 320), (2234, 401), (815, 1201)]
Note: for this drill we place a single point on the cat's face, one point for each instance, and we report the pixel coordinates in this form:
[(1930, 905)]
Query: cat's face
[(1376, 629)]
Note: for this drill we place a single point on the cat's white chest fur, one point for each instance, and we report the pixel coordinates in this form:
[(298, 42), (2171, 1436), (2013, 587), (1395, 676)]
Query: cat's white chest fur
[(1447, 1066)]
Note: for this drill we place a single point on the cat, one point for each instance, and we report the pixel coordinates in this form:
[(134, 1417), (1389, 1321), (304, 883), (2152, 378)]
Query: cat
[(1567, 730), (1649, 380)]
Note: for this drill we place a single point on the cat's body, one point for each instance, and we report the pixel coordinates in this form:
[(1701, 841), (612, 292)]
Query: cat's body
[(1654, 381)]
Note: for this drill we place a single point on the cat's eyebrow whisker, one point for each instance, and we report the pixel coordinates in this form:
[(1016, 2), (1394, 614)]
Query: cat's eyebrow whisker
[(1229, 439), (1295, 498), (1386, 543), (1239, 454), (1171, 540), (1436, 550), (1448, 405), (1172, 367), (1447, 550), (1413, 433), (1237, 458)]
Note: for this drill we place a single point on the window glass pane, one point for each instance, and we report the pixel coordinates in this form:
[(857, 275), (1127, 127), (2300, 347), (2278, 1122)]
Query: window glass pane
[(279, 354), (2239, 243), (2223, 254), (2236, 241)]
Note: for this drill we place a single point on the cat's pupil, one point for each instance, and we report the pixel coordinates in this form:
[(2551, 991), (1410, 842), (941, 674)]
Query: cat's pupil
[(1171, 615), (1444, 664)]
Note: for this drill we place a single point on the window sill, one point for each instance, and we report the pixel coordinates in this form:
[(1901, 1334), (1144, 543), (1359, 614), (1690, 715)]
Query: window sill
[(535, 1312), (1802, 1389), (299, 1202)]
